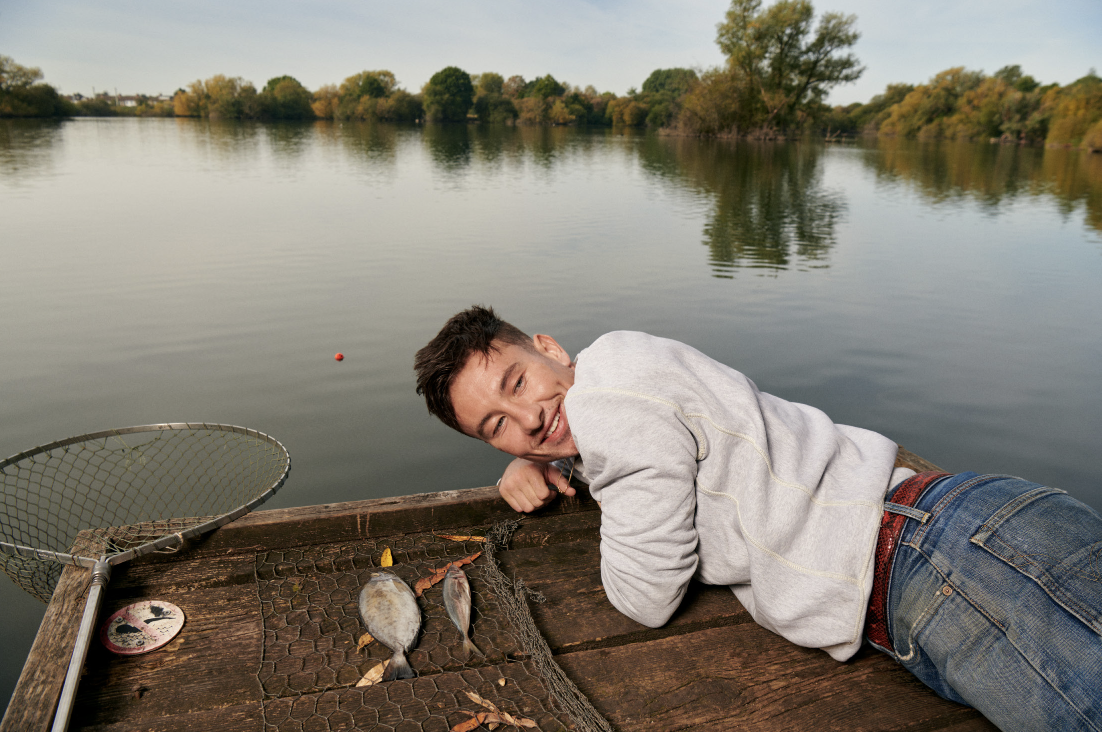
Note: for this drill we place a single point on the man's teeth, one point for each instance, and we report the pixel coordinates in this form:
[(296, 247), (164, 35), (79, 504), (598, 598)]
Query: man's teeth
[(554, 424)]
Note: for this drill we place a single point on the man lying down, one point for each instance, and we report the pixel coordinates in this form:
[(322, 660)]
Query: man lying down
[(988, 588)]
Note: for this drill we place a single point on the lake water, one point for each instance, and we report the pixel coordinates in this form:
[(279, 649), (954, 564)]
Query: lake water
[(946, 295)]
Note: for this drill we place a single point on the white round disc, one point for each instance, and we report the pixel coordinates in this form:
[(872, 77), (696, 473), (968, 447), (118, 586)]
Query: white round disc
[(142, 627)]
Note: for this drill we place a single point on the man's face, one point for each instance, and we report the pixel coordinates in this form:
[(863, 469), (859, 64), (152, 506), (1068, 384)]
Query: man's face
[(513, 399)]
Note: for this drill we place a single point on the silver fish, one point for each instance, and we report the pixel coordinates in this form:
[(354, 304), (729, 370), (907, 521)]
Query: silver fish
[(390, 612), (457, 601)]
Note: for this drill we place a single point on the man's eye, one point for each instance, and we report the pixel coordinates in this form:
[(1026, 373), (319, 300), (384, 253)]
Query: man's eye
[(520, 383), (498, 426)]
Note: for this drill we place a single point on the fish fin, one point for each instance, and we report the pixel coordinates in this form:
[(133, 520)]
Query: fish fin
[(398, 668), (471, 649)]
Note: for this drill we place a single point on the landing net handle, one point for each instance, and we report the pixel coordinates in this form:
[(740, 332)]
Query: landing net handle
[(138, 491)]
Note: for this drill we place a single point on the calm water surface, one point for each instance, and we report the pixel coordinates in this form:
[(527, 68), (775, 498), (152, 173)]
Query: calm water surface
[(947, 295)]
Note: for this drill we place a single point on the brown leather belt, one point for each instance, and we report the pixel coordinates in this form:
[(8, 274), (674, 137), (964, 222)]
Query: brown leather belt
[(891, 528)]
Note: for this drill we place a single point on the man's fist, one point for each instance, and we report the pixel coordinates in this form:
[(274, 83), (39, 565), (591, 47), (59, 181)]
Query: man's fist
[(524, 485)]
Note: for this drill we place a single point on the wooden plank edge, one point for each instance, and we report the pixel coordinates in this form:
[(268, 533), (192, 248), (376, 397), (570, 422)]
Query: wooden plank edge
[(36, 693), (357, 520)]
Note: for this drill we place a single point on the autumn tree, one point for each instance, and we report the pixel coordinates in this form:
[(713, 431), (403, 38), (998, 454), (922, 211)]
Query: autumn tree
[(219, 97), (923, 111), (488, 83), (357, 94), (790, 69), (448, 95)]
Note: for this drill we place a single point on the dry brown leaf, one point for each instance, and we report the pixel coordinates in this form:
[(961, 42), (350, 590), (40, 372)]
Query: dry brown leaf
[(468, 724), (426, 582), (374, 676), (462, 537), (364, 640), (387, 560), (492, 718), (483, 702)]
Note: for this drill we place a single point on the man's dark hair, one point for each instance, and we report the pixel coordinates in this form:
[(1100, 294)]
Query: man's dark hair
[(475, 330)]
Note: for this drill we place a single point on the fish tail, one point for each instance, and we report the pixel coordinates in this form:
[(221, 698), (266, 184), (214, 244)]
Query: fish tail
[(471, 648), (398, 668)]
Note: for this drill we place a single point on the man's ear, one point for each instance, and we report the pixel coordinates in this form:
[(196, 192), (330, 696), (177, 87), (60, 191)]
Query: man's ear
[(548, 346)]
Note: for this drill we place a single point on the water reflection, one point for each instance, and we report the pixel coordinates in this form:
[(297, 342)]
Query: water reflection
[(451, 146), (992, 174), (288, 140), (771, 210), (27, 146)]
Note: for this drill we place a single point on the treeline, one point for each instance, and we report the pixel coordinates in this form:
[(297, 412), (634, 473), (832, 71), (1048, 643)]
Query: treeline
[(451, 95), (780, 67), (1008, 106)]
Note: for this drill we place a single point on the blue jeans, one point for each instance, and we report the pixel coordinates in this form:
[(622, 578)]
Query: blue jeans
[(995, 601)]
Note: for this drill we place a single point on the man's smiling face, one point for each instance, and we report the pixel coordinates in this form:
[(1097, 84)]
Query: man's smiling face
[(513, 399)]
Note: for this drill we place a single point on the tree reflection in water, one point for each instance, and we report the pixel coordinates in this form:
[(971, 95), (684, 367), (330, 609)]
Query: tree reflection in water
[(992, 174), (27, 146), (771, 210)]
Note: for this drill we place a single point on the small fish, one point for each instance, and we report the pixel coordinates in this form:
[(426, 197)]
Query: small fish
[(390, 611), (457, 601)]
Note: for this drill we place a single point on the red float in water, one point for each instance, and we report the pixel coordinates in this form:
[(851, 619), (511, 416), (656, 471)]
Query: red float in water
[(339, 357)]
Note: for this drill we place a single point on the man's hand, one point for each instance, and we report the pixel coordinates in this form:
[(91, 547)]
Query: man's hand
[(524, 485)]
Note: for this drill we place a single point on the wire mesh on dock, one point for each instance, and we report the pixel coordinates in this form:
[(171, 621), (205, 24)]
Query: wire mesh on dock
[(311, 664)]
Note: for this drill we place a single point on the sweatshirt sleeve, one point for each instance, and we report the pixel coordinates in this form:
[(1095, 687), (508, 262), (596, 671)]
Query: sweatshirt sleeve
[(641, 457)]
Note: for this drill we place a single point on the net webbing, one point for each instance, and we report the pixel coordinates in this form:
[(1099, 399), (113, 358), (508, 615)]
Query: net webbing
[(310, 662), (111, 492)]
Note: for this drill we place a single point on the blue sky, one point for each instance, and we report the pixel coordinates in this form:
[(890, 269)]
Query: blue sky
[(153, 46)]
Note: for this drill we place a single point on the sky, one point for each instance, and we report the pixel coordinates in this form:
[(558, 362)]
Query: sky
[(153, 46)]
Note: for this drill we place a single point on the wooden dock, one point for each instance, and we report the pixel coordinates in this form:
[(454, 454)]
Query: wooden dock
[(270, 638)]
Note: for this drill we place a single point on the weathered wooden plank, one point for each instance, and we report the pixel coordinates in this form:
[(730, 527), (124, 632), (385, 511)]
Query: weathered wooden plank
[(36, 693), (577, 614), (907, 459), (182, 574), (337, 522), (238, 718), (744, 677), (211, 664)]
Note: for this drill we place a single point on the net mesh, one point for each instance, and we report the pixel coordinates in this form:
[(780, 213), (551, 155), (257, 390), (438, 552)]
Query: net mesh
[(107, 493), (311, 663)]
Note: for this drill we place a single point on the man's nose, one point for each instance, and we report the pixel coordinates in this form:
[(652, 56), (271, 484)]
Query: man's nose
[(532, 418)]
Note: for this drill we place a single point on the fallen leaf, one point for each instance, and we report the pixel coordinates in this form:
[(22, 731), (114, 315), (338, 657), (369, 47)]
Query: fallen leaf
[(387, 559), (462, 537), (483, 702), (468, 724), (491, 718), (374, 676), (501, 681), (426, 582), (365, 639)]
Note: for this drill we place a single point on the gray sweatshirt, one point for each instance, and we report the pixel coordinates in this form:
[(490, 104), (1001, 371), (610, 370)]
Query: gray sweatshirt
[(700, 475)]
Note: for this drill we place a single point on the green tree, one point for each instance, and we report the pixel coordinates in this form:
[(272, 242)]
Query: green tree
[(545, 87), (676, 82), (792, 71), (448, 95), (283, 97), (21, 96)]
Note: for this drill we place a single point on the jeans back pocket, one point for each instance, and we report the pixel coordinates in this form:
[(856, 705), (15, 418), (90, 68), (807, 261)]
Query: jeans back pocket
[(1057, 542)]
